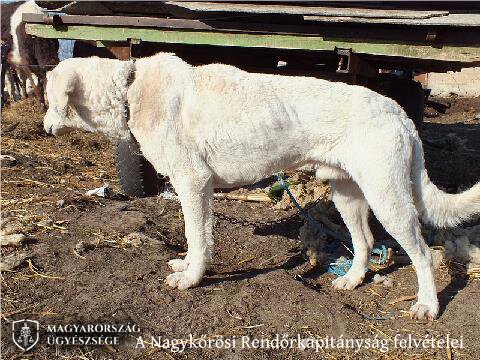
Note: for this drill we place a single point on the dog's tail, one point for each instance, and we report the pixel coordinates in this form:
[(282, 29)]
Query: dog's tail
[(435, 206)]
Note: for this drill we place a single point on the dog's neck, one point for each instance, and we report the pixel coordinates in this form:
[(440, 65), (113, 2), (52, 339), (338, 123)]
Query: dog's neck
[(130, 80)]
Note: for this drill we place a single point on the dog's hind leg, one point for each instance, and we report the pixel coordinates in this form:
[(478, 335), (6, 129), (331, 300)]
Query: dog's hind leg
[(196, 199), (354, 210), (391, 200)]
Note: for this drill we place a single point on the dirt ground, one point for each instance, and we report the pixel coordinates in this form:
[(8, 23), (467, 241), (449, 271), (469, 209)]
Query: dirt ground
[(256, 286)]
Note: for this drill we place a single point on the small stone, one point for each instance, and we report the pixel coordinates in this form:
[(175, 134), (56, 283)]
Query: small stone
[(7, 160), (13, 261), (12, 227), (386, 281), (14, 240), (80, 248), (60, 203), (136, 239)]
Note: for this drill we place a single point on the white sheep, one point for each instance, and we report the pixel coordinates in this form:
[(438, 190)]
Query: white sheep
[(217, 126)]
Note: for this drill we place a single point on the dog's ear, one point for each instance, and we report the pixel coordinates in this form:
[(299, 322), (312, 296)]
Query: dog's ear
[(65, 84), (69, 83)]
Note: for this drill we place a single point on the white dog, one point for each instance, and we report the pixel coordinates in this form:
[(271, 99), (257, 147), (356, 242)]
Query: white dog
[(217, 126)]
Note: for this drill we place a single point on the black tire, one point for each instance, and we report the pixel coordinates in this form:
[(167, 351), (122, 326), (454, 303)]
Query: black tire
[(136, 175), (409, 94)]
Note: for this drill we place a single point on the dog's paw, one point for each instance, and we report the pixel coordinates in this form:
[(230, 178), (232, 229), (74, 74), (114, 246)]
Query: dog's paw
[(178, 265), (346, 282), (183, 280), (423, 311)]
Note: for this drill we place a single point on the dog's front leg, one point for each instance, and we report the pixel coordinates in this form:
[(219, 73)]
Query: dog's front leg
[(353, 208), (196, 199)]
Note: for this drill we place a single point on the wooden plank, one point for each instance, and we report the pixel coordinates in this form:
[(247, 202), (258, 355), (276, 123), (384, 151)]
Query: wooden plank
[(391, 34), (365, 46), (228, 26), (312, 27), (250, 8), (201, 9), (453, 20)]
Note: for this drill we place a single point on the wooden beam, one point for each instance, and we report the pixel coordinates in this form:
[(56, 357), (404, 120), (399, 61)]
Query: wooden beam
[(277, 41)]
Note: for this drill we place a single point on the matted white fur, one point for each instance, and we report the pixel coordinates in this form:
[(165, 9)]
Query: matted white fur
[(217, 126)]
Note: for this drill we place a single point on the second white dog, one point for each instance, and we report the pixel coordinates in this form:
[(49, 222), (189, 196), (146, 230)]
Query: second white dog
[(216, 126)]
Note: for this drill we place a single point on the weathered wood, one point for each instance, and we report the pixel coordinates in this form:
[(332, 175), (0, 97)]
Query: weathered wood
[(456, 20), (362, 46), (226, 8), (202, 9), (413, 35)]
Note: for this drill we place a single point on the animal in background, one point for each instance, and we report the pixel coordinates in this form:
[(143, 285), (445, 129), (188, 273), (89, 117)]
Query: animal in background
[(30, 56)]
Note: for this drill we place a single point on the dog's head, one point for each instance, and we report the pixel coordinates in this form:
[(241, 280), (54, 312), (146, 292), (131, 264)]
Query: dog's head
[(61, 116), (88, 94)]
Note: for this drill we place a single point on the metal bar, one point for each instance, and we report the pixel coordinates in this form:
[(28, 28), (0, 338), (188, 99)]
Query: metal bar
[(129, 21), (112, 33)]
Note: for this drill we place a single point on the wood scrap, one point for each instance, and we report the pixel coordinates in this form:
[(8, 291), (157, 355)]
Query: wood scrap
[(402, 298), (258, 197)]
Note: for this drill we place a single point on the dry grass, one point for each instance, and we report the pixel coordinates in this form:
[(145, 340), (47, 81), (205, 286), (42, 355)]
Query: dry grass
[(48, 168)]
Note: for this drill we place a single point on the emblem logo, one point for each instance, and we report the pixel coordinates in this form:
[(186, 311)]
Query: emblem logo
[(25, 333)]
